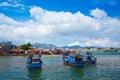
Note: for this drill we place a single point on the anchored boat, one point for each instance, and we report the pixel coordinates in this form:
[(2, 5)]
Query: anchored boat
[(78, 59), (34, 59)]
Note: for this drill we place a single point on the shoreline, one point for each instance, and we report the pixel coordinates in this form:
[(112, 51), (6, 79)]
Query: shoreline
[(26, 55), (52, 54)]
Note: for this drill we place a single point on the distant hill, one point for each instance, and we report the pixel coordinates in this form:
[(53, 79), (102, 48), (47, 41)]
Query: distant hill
[(51, 46), (44, 46)]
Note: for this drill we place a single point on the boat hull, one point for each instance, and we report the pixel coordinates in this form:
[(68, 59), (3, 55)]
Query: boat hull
[(89, 62), (75, 64), (72, 62), (34, 65)]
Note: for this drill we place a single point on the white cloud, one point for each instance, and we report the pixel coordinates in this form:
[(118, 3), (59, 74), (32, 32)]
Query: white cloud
[(101, 42), (6, 20), (63, 28), (98, 13), (97, 42), (12, 3), (37, 12), (5, 4), (76, 43)]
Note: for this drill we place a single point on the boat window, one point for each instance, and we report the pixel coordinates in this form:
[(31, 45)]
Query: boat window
[(35, 60)]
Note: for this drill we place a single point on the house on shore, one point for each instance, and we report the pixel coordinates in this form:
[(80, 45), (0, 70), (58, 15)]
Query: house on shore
[(2, 49), (5, 47)]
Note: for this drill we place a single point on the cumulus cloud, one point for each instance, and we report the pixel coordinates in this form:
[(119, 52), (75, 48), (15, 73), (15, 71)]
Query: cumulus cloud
[(63, 28), (99, 14), (6, 20), (100, 42)]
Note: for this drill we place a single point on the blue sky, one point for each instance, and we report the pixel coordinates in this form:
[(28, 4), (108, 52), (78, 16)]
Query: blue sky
[(16, 12), (61, 22)]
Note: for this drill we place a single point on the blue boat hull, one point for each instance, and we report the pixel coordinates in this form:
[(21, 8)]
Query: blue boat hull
[(71, 62), (34, 65), (76, 64)]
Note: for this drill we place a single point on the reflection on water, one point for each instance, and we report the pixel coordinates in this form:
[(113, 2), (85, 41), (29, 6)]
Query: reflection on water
[(106, 68), (77, 73), (34, 74)]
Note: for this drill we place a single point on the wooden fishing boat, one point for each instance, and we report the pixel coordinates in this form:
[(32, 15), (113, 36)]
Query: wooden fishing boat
[(77, 59), (34, 59)]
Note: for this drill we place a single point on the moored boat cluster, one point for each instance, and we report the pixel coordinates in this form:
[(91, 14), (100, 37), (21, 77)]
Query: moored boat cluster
[(72, 58), (78, 59)]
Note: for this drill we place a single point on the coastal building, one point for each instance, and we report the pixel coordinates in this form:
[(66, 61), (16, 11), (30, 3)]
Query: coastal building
[(8, 44), (6, 47), (2, 49), (17, 50)]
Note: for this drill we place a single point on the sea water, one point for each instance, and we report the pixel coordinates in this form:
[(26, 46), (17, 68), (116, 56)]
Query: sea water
[(107, 67)]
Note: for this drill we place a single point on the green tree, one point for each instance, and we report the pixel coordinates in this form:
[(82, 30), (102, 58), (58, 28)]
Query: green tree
[(29, 44), (26, 46)]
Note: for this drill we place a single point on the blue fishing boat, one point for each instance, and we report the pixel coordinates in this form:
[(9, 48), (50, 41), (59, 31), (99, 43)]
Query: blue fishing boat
[(78, 59), (34, 59)]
